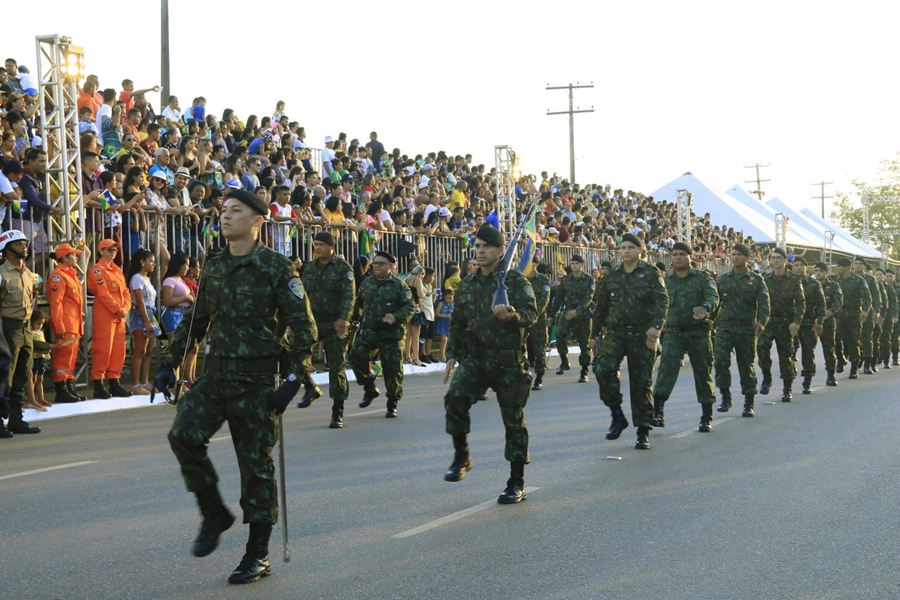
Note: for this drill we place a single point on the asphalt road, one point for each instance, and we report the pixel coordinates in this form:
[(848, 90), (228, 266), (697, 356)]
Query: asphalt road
[(799, 502)]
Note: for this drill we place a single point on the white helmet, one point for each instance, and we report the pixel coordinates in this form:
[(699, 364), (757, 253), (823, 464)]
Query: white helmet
[(13, 235)]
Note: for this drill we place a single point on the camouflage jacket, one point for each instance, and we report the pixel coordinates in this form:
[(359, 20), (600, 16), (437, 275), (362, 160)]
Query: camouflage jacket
[(575, 293), (636, 300), (381, 297), (332, 290), (785, 297), (815, 301), (874, 293), (474, 325), (541, 286), (244, 306), (834, 296), (857, 297), (695, 289), (744, 301), (892, 310), (883, 299)]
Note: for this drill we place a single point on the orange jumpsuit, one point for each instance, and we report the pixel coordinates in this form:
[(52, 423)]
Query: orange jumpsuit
[(65, 295), (112, 301)]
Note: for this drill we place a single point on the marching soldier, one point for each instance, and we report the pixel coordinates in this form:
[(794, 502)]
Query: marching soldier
[(888, 319), (834, 300), (890, 279), (853, 315), (536, 338), (812, 325), (874, 316), (574, 296), (788, 306)]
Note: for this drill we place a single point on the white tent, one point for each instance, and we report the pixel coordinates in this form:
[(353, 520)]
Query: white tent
[(842, 238), (798, 234), (723, 210)]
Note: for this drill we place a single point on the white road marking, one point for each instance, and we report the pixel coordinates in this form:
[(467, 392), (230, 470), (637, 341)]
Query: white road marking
[(56, 468), (368, 412), (696, 430), (220, 438), (454, 517)]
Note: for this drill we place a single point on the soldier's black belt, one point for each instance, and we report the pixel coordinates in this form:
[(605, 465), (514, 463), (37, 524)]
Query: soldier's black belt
[(506, 354), (687, 328), (737, 321), (243, 365)]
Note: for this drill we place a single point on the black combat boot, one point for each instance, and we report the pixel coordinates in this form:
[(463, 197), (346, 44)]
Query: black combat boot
[(255, 564), (618, 425), (830, 381), (706, 418), (659, 417), (643, 439), (895, 361), (216, 520), (582, 378), (563, 366), (867, 366), (515, 485), (100, 392), (337, 415), (538, 384), (116, 390), (766, 382), (20, 426), (786, 395), (70, 385), (748, 406), (854, 371), (726, 400), (63, 395), (4, 433), (313, 393), (840, 365), (886, 363), (873, 364), (462, 463), (391, 409), (807, 385), (371, 393)]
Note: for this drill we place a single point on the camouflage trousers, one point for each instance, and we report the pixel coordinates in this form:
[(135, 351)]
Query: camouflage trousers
[(784, 344), (806, 342), (895, 338), (616, 346), (828, 343), (744, 346), (698, 346), (511, 381), (848, 331), (367, 344), (245, 403), (581, 330), (536, 344), (866, 336), (336, 354)]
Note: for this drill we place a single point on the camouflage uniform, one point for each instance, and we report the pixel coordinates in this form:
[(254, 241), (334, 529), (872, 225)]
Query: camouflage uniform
[(379, 298), (628, 304), (834, 300), (331, 288), (878, 329), (868, 328), (574, 293), (887, 327), (788, 305), (857, 299), (491, 354), (744, 302), (244, 306), (814, 315), (684, 333), (895, 333), (536, 338)]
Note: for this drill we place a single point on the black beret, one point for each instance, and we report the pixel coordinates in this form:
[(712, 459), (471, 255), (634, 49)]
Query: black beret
[(779, 252), (821, 265), (661, 266), (324, 236), (843, 262), (742, 249), (630, 237), (889, 272), (606, 264), (252, 200), (387, 256), (800, 259), (577, 258), (683, 247), (490, 235), (862, 260)]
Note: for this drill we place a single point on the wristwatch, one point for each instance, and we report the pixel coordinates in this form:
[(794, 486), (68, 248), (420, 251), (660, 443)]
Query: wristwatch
[(292, 378)]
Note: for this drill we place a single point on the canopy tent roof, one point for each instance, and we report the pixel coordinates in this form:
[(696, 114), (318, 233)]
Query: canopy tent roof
[(799, 233), (853, 245)]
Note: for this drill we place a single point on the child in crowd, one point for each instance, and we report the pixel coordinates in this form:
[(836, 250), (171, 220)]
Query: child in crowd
[(442, 312), (41, 361)]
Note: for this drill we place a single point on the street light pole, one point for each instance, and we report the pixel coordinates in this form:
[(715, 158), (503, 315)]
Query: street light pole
[(164, 49)]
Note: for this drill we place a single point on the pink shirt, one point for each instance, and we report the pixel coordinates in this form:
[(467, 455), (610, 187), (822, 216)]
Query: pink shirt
[(179, 288)]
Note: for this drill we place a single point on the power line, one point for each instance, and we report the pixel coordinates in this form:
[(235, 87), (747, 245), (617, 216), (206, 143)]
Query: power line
[(758, 181), (571, 112), (822, 197)]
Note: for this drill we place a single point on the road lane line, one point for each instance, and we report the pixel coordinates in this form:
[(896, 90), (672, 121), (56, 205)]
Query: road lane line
[(220, 438), (696, 430), (368, 412), (56, 468), (450, 518)]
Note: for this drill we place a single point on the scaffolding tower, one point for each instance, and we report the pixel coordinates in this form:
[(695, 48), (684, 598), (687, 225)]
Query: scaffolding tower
[(827, 246), (782, 224), (684, 199), (505, 188)]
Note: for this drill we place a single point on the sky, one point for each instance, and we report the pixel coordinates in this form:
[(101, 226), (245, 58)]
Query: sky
[(700, 86)]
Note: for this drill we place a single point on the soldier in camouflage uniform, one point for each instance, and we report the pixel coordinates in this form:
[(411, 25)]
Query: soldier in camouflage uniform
[(574, 297), (888, 318), (331, 287), (788, 306), (868, 327), (890, 279), (536, 339), (631, 305), (834, 300), (692, 297), (249, 295), (812, 325), (387, 306), (854, 314), (743, 315), (487, 342)]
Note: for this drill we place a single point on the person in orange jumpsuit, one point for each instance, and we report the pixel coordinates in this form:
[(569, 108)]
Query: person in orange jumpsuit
[(66, 297), (112, 301)]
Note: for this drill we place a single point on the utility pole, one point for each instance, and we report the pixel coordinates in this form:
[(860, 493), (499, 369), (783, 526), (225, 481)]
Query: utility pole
[(571, 112), (164, 58), (822, 195), (758, 181)]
